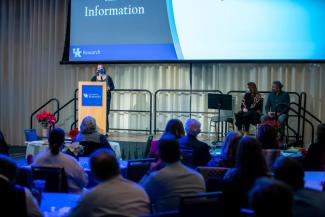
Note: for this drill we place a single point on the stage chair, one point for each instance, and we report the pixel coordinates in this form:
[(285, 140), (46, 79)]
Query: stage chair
[(213, 177), (55, 178), (136, 169), (203, 204)]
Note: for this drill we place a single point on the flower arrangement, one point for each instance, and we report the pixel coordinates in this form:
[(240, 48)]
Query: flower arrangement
[(74, 149), (46, 119), (73, 134), (273, 123)]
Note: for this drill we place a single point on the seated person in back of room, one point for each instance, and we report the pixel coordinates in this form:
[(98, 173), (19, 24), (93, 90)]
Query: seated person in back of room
[(307, 202), (267, 136), (270, 198), (114, 195), (251, 109), (167, 185), (250, 165), (200, 150), (173, 127), (315, 158), (15, 201), (76, 176), (228, 151), (277, 106), (90, 138)]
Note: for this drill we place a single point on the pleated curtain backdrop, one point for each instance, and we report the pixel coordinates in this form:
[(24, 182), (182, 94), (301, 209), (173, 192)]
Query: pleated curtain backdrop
[(32, 35)]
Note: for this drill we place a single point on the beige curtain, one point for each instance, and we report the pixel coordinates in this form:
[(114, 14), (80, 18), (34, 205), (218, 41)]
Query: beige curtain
[(32, 35)]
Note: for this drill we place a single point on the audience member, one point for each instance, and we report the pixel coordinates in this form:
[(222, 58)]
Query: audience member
[(15, 201), (3, 145), (199, 150), (90, 138), (114, 195), (76, 177), (267, 136), (165, 187), (228, 151), (250, 165), (173, 127), (251, 108), (270, 198), (315, 158), (277, 105), (307, 202)]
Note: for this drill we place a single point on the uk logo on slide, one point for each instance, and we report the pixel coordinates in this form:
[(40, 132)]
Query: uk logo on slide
[(92, 95), (76, 52)]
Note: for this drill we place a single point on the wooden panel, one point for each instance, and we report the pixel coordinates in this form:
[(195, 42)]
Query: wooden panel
[(98, 112)]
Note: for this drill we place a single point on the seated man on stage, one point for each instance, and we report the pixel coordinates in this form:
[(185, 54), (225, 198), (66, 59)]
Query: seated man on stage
[(278, 101), (101, 76)]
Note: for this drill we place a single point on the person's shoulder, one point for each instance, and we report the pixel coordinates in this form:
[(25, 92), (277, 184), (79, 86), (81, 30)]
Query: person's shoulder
[(41, 156)]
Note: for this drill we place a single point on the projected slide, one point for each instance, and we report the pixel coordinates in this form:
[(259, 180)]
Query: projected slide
[(171, 30)]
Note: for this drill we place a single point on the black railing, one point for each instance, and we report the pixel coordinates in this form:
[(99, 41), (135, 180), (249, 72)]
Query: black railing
[(148, 111), (156, 111), (43, 106)]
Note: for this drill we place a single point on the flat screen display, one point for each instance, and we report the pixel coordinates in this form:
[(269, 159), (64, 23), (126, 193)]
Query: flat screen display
[(192, 30)]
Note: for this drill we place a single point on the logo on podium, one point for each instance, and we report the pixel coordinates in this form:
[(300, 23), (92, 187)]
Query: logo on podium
[(92, 95)]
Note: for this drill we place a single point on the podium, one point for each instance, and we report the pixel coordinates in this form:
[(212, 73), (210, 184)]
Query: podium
[(92, 102)]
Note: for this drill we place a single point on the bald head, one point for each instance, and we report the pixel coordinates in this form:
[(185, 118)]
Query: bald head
[(192, 127), (104, 165)]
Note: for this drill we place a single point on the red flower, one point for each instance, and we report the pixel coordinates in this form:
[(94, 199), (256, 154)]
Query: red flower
[(73, 134), (273, 123), (46, 117)]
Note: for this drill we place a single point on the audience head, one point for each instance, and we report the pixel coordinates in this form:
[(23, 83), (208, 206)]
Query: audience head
[(252, 88), (104, 165), (56, 140), (267, 136), (229, 146), (250, 160), (277, 86), (289, 171), (8, 168), (321, 133), (271, 198), (88, 125), (175, 127), (169, 150), (192, 127)]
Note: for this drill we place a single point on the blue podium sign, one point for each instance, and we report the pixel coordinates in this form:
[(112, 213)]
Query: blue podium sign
[(92, 95)]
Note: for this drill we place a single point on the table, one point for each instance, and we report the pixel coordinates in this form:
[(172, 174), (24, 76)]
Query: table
[(36, 147), (314, 179), (58, 204)]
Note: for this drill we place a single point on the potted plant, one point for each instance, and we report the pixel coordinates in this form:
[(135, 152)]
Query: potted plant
[(47, 120)]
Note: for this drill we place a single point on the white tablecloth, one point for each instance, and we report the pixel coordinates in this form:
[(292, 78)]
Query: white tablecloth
[(117, 149), (36, 147)]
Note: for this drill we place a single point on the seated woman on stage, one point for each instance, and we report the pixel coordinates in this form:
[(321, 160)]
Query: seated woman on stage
[(251, 108), (90, 138)]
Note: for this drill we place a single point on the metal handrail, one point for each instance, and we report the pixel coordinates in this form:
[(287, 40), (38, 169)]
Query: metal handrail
[(74, 124), (41, 107), (188, 91)]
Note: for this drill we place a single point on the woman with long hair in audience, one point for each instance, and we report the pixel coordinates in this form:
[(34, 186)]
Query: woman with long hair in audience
[(76, 176), (251, 109), (250, 165), (174, 127), (228, 151), (267, 136)]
